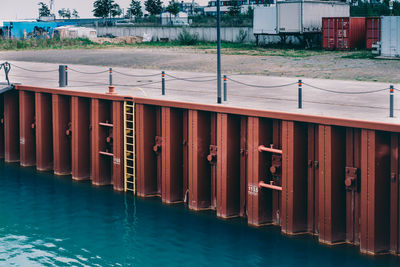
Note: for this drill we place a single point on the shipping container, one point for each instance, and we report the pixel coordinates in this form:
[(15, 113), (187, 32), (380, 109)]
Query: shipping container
[(343, 33), (296, 17), (390, 41), (305, 16), (264, 20), (373, 31)]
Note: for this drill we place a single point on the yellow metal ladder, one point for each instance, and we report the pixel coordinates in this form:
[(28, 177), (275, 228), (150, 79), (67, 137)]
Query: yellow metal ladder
[(129, 146)]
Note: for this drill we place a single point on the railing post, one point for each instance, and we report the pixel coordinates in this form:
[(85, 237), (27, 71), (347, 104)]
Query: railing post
[(163, 82), (110, 77), (225, 89), (66, 75), (391, 101), (62, 82), (300, 95)]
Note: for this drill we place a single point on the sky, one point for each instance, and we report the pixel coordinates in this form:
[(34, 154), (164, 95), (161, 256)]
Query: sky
[(28, 9)]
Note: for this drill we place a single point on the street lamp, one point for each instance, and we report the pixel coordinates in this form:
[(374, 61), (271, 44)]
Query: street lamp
[(218, 52)]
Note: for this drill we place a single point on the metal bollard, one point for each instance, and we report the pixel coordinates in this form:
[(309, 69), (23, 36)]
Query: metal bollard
[(225, 89), (163, 82), (391, 101), (66, 75), (110, 77), (62, 77), (300, 95)]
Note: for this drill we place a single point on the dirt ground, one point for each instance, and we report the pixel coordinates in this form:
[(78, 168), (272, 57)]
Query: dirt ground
[(325, 65)]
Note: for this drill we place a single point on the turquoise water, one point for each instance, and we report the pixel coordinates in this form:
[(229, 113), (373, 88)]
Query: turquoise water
[(54, 221)]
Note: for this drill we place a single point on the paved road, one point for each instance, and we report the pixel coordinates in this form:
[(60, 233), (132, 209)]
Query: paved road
[(324, 66), (200, 88)]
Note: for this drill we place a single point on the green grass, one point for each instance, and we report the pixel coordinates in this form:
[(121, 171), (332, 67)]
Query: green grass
[(39, 44), (359, 55), (228, 48)]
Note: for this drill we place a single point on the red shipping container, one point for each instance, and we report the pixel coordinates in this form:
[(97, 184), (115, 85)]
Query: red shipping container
[(373, 31), (343, 33)]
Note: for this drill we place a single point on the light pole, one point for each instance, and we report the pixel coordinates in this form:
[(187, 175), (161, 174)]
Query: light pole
[(218, 52)]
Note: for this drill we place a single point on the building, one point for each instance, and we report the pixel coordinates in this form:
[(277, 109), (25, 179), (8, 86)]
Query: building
[(189, 7), (211, 9)]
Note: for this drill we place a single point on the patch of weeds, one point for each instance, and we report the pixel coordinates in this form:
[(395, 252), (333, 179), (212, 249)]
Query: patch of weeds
[(359, 55)]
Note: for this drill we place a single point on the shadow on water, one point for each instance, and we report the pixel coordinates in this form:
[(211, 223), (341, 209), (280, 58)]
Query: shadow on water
[(49, 220)]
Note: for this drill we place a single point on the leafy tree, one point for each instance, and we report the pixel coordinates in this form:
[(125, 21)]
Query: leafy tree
[(153, 7), (64, 13), (135, 9), (75, 14), (173, 8), (234, 8), (106, 8), (44, 10)]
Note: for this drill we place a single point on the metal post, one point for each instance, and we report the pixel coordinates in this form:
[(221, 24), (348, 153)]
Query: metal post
[(66, 75), (111, 80), (163, 82), (225, 89), (61, 76), (391, 101), (219, 52), (7, 68), (300, 95)]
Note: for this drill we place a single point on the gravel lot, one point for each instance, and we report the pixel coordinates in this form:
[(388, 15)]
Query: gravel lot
[(323, 65)]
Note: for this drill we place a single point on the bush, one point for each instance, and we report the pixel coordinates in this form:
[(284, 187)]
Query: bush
[(187, 38)]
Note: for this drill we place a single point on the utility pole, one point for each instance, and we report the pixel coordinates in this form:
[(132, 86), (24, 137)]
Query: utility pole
[(219, 52)]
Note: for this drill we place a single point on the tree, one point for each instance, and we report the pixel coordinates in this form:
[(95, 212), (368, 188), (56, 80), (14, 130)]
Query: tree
[(234, 8), (44, 10), (75, 14), (153, 7), (106, 8), (64, 13), (135, 9), (173, 8)]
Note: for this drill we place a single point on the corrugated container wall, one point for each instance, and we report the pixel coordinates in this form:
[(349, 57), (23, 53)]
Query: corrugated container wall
[(345, 33), (390, 46), (373, 31), (296, 17)]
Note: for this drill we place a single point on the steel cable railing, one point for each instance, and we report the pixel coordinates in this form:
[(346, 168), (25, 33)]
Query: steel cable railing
[(346, 92), (261, 86)]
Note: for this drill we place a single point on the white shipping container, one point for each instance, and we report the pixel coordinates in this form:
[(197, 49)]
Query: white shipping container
[(390, 36), (306, 16), (264, 20)]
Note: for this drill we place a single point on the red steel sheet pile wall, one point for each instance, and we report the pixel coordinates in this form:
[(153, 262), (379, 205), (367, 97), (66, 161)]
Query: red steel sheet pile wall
[(338, 182), (343, 33), (373, 31)]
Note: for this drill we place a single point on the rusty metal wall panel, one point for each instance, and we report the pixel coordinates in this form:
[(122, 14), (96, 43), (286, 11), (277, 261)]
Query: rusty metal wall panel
[(158, 142), (375, 192), (228, 165), (243, 165), (11, 126), (185, 155), (259, 201), (80, 118), (313, 179), (44, 132), (294, 177), (353, 161), (118, 145), (61, 141), (27, 128), (172, 155), (1, 126), (394, 194), (277, 195), (332, 204), (94, 126), (199, 167), (102, 135), (145, 157), (213, 151)]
